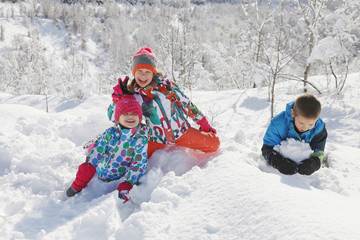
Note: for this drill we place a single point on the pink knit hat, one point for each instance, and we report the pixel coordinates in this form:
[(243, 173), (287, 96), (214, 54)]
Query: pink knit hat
[(144, 58), (126, 104)]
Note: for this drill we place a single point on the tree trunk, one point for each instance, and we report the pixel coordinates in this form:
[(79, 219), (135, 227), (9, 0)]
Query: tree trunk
[(333, 73), (47, 103), (306, 76), (273, 95), (308, 66)]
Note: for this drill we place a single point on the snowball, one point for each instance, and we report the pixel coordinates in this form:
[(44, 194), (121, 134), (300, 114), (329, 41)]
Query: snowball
[(293, 149)]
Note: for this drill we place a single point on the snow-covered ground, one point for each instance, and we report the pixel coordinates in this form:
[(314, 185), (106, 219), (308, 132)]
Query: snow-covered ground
[(231, 194)]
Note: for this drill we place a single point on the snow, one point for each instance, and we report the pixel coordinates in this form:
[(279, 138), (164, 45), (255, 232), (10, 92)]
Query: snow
[(326, 49), (231, 194), (293, 149)]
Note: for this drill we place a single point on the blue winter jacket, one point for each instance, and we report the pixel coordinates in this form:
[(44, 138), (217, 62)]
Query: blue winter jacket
[(282, 127)]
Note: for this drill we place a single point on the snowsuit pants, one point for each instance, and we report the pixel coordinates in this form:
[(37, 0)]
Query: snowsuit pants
[(84, 174), (206, 142)]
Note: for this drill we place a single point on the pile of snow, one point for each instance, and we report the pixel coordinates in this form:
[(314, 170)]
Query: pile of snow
[(294, 150), (231, 194)]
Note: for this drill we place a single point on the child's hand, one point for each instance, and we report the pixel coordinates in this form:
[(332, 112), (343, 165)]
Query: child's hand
[(309, 166), (284, 165), (117, 93), (124, 189), (118, 89), (205, 126)]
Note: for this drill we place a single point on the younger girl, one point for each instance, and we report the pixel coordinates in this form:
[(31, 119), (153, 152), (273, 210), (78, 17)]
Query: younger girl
[(165, 107), (121, 151)]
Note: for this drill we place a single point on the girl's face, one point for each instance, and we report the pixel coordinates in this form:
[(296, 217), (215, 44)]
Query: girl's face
[(129, 120), (143, 77)]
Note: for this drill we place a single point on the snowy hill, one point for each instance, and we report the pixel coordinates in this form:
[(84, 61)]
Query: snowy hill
[(232, 194)]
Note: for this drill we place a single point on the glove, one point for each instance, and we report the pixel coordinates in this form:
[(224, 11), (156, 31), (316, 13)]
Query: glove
[(284, 165), (124, 189), (309, 166), (205, 126), (119, 89)]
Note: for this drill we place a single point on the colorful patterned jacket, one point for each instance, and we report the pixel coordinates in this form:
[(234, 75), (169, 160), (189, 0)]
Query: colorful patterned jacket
[(120, 152), (166, 110), (282, 127)]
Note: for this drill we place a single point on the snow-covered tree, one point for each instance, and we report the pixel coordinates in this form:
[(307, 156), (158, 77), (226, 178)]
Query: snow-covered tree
[(311, 13)]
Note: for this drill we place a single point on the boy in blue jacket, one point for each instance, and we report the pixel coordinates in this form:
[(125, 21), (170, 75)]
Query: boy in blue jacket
[(301, 120)]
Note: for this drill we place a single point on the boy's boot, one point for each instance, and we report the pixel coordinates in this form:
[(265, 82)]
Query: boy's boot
[(84, 174)]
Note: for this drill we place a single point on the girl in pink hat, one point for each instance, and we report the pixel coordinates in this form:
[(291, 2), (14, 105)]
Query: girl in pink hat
[(165, 107), (120, 152)]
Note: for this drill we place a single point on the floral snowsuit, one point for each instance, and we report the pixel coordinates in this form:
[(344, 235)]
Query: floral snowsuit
[(120, 152)]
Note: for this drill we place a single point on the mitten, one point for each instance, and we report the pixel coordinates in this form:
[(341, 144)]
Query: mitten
[(117, 92), (205, 126), (284, 165), (124, 189), (309, 166), (120, 89)]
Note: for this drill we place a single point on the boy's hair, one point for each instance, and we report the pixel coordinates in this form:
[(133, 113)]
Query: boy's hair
[(308, 106)]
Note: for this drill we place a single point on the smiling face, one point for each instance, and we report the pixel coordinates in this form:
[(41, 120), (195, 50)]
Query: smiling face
[(302, 123), (143, 77), (129, 120)]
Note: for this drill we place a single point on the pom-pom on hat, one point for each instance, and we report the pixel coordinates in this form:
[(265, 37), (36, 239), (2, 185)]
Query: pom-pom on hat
[(126, 104), (144, 59)]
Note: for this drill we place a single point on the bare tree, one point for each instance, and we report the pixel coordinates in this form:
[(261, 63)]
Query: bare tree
[(189, 51), (257, 18), (281, 53), (311, 11)]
